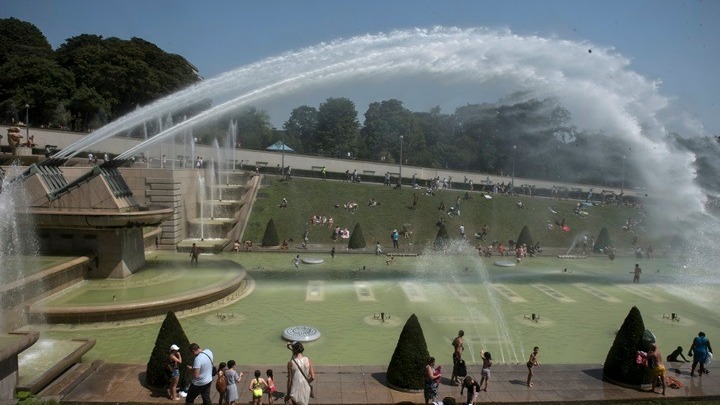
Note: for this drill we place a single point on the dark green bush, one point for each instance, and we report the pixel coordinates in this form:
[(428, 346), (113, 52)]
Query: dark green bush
[(270, 238), (525, 238), (620, 364), (602, 241), (357, 240), (171, 333), (442, 239), (410, 357)]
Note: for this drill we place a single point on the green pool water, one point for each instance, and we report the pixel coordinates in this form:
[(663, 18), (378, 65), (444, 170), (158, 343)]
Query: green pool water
[(579, 310)]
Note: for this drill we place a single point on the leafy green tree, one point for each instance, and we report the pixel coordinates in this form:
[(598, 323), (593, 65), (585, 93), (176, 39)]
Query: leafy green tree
[(254, 128), (357, 240), (384, 123), (170, 333), (301, 128), (84, 107), (270, 238), (36, 81), (525, 238), (338, 127), (410, 357), (22, 39)]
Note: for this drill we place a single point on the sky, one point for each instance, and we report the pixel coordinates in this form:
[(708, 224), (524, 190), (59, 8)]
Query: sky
[(673, 43)]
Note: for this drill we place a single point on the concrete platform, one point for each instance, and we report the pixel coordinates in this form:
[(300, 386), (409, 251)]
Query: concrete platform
[(360, 385)]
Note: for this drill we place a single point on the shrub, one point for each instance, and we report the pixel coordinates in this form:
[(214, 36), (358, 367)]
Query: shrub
[(620, 364), (525, 238), (442, 239), (171, 333), (410, 357), (357, 240), (602, 241), (270, 238)]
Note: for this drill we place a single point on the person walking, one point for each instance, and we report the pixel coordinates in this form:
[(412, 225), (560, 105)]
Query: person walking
[(699, 351), (300, 374), (636, 273), (395, 239), (532, 362), (202, 375)]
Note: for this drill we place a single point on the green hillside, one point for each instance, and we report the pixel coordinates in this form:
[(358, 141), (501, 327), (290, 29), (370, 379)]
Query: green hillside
[(307, 197)]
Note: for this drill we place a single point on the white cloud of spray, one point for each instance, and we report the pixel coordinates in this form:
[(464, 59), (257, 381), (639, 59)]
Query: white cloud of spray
[(451, 67)]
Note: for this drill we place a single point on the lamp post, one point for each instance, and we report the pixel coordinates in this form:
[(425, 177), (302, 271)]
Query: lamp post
[(27, 122), (622, 179), (512, 182), (282, 154), (401, 161)]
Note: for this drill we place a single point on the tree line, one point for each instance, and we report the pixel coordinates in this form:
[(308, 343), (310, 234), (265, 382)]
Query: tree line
[(90, 80)]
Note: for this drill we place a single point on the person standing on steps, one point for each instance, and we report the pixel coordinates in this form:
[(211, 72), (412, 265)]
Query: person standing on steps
[(699, 351), (458, 349)]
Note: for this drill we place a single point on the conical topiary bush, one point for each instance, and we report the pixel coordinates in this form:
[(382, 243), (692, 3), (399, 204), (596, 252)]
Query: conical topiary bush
[(620, 364), (270, 238), (410, 357), (170, 333), (357, 240), (524, 238), (602, 241), (442, 239)]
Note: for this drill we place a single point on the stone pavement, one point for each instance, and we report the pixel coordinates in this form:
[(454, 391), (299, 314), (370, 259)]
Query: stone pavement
[(101, 383)]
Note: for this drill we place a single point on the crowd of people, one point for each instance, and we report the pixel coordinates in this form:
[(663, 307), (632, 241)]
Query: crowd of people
[(300, 371)]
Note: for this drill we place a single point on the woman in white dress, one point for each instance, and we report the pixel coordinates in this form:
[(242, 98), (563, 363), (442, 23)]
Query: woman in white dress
[(300, 370)]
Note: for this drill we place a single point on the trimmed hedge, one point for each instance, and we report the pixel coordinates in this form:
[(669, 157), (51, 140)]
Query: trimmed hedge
[(620, 364), (357, 240), (410, 357), (270, 238), (170, 333)]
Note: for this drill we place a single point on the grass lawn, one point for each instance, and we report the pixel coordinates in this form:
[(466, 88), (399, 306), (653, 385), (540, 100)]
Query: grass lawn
[(309, 197)]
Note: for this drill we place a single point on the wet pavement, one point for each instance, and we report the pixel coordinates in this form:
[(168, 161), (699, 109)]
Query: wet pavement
[(101, 383)]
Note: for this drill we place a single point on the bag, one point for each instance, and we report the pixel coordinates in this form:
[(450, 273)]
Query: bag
[(221, 383), (312, 391), (214, 371)]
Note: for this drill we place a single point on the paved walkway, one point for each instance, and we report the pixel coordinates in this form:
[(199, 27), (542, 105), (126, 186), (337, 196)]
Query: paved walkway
[(101, 383)]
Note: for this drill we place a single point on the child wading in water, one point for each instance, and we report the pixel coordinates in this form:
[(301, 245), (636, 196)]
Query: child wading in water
[(257, 387), (270, 387), (485, 372), (532, 363)]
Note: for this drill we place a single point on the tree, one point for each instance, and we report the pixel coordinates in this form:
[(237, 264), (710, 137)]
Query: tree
[(525, 238), (409, 358), (270, 238), (254, 128), (620, 364), (338, 127), (301, 128), (357, 240), (35, 81), (22, 39), (170, 333), (84, 106), (602, 241), (384, 123)]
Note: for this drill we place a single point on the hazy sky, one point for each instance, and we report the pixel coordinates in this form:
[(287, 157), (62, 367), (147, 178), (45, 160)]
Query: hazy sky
[(675, 43)]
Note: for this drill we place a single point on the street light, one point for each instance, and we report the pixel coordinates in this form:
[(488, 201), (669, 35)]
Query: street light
[(27, 123), (400, 174), (512, 183), (622, 180)]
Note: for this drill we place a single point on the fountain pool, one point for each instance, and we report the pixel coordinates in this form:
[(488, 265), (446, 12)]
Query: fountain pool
[(577, 311)]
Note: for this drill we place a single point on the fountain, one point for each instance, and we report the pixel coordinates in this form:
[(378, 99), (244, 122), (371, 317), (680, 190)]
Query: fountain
[(492, 301)]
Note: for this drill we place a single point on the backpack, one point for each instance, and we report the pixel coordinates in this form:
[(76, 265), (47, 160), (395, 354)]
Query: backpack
[(221, 382)]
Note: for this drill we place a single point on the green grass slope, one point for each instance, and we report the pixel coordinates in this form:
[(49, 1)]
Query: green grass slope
[(309, 197)]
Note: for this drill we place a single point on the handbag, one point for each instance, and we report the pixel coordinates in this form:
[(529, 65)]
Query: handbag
[(312, 390)]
